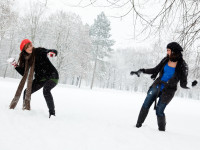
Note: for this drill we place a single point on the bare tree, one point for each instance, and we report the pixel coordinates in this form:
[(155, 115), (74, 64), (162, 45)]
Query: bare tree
[(7, 19), (185, 12), (31, 22)]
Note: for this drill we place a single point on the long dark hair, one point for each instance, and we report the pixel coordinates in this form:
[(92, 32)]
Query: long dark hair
[(23, 54), (174, 57)]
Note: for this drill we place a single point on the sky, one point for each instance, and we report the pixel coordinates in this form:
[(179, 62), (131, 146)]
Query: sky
[(122, 30)]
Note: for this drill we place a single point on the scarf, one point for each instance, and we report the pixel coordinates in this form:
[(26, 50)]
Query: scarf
[(26, 102)]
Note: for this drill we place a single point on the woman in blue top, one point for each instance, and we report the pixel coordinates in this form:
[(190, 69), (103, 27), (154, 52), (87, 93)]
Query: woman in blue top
[(171, 69)]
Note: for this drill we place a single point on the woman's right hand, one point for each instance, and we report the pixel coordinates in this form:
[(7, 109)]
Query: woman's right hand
[(12, 62), (137, 72)]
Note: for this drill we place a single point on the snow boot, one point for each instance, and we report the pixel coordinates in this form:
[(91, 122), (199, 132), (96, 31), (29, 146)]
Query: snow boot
[(142, 116), (51, 112), (161, 123)]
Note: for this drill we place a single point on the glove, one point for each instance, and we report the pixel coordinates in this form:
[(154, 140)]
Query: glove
[(51, 112), (54, 51), (51, 54), (194, 83), (137, 72), (12, 62)]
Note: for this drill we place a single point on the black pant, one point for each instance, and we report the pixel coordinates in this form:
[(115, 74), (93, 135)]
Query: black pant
[(47, 86)]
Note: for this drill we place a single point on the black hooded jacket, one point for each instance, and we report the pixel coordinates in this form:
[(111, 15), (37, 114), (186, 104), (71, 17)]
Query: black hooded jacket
[(181, 73), (43, 67)]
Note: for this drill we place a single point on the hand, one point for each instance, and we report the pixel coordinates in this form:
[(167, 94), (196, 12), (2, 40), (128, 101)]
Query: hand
[(194, 83), (54, 51), (137, 72), (51, 54), (12, 61), (133, 72)]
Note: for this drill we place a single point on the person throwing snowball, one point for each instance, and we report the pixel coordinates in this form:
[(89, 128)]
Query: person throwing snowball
[(35, 61)]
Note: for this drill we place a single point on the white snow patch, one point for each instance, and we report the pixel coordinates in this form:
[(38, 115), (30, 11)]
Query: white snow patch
[(94, 120)]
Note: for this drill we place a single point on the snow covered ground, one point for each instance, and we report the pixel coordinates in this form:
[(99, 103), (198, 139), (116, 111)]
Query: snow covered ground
[(94, 120)]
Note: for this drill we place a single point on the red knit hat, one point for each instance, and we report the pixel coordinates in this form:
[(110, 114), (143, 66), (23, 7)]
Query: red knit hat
[(23, 43)]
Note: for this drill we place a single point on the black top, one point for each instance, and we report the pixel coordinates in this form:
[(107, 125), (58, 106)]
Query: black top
[(181, 73), (43, 67)]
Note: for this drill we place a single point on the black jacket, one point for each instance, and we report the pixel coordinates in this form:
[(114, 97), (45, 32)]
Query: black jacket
[(181, 73), (43, 67)]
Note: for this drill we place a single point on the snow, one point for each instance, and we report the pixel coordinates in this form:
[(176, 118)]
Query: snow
[(98, 119)]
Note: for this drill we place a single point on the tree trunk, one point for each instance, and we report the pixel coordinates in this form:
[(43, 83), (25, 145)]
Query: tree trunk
[(77, 81), (108, 81), (10, 53), (73, 81), (80, 81), (95, 64), (5, 71)]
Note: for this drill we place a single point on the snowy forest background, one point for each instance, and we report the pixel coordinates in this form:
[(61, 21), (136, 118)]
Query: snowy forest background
[(86, 56)]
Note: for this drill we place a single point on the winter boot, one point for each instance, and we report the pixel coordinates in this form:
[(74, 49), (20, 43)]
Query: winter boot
[(161, 123), (142, 116), (52, 112)]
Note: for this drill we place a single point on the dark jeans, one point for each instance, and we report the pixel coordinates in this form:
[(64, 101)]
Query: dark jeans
[(47, 86), (151, 96)]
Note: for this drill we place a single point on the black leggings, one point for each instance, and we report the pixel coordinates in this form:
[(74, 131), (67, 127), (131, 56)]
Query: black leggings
[(47, 86)]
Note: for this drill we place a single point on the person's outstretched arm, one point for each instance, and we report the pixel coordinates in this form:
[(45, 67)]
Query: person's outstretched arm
[(153, 71), (50, 52)]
